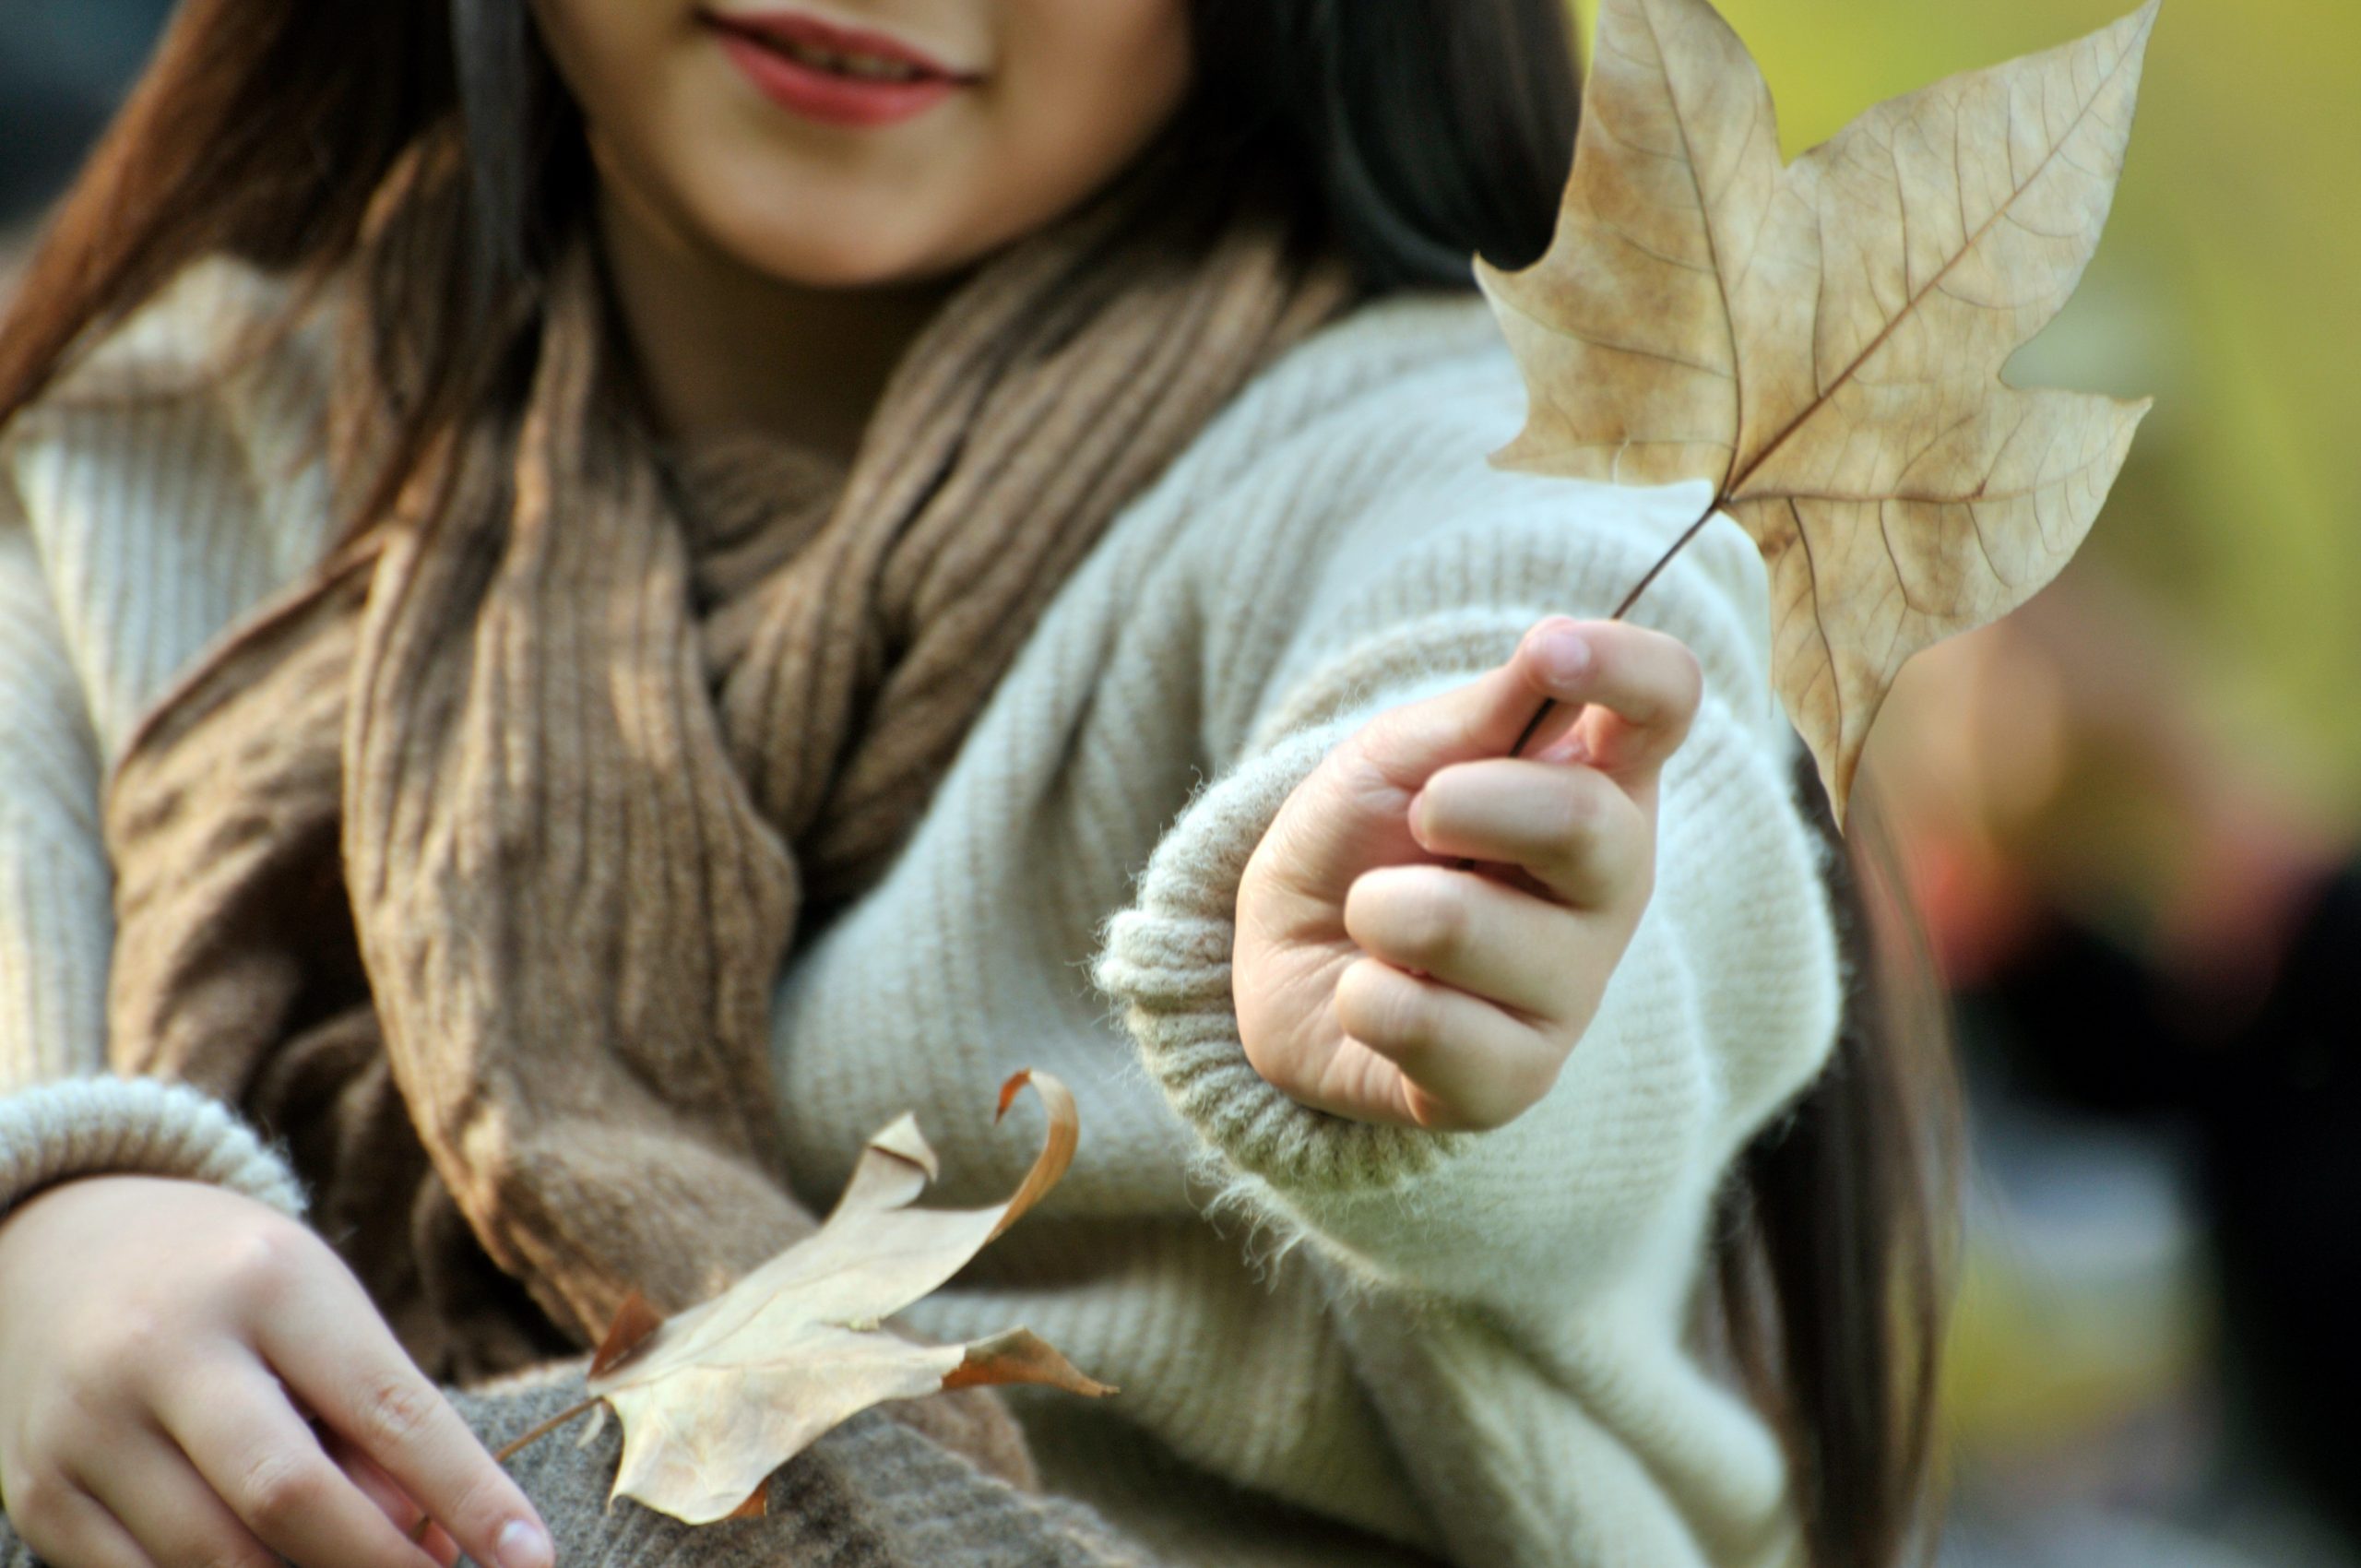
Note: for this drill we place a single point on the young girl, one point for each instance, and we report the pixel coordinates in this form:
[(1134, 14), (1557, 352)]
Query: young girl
[(597, 602)]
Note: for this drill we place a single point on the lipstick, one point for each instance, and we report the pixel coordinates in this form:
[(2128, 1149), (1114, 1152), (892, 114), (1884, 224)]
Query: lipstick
[(836, 75)]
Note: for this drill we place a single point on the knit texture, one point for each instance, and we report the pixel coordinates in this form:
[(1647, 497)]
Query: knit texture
[(870, 1494), (135, 1127), (1473, 1346), (473, 859)]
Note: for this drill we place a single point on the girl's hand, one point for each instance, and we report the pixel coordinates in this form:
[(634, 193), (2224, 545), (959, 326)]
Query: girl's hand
[(1374, 980), (161, 1343)]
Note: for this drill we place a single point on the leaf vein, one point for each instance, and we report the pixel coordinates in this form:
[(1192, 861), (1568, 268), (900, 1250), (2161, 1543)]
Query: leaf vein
[(1887, 331)]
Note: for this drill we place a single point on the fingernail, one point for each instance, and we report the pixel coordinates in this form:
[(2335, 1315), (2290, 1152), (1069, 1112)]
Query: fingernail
[(1564, 653), (523, 1545)]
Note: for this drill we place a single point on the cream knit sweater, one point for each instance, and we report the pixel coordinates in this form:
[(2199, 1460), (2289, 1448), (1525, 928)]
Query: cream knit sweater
[(1470, 1344)]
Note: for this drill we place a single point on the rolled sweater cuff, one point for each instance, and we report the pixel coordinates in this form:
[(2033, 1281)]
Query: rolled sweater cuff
[(100, 1127), (1166, 961)]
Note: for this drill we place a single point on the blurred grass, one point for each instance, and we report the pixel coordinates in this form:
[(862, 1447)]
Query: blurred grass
[(2228, 285)]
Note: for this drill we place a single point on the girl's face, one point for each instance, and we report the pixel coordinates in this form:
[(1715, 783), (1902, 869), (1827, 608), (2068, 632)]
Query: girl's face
[(838, 143)]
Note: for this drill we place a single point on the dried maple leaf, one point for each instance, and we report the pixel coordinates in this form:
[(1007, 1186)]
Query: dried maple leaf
[(1822, 342), (715, 1398)]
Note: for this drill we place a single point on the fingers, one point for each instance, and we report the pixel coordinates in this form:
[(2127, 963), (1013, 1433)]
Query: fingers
[(63, 1523), (1582, 837), (1492, 941), (158, 1497), (1463, 1064), (361, 1384), (1642, 685), (233, 1421), (391, 1500), (1482, 719)]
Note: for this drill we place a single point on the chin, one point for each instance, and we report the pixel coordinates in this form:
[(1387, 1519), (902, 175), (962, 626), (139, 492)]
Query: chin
[(826, 240)]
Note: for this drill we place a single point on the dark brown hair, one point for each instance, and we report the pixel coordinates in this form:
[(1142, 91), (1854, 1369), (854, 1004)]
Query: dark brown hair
[(1410, 133)]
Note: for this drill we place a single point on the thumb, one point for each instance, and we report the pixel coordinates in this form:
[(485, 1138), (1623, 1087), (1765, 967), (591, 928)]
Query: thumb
[(1485, 717)]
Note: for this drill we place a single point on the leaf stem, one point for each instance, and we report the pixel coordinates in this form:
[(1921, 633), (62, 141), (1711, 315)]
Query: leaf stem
[(1467, 862), (510, 1449), (515, 1445)]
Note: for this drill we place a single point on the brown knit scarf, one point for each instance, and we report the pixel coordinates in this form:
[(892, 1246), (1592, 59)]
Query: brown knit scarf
[(469, 862)]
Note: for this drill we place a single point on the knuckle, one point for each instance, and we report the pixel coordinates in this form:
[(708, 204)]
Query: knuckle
[(1436, 924), (1410, 917), (1391, 1009), (278, 1488), (1579, 849), (1687, 682), (1663, 666), (262, 1263), (394, 1411), (1578, 809)]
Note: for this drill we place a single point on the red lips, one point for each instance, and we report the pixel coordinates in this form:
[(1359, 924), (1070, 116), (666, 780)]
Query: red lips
[(835, 74)]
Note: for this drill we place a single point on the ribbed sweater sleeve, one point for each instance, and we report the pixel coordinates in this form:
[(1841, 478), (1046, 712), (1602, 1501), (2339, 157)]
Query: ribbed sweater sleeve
[(1726, 1000), (56, 913), (134, 1127), (141, 444), (60, 1118)]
